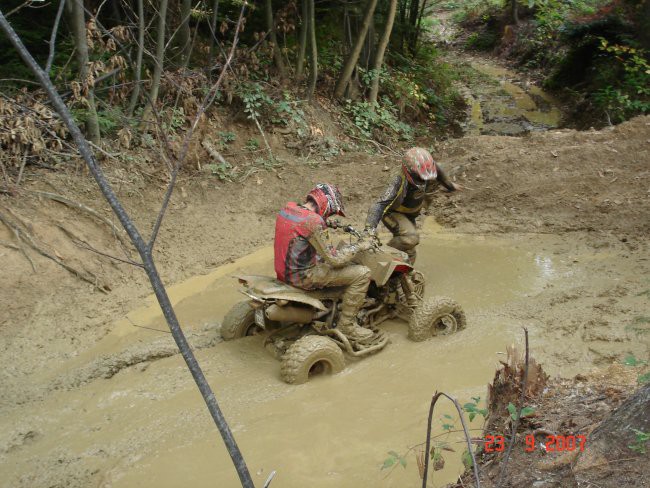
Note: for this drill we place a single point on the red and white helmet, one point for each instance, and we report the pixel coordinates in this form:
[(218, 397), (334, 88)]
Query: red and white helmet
[(419, 163), (328, 200)]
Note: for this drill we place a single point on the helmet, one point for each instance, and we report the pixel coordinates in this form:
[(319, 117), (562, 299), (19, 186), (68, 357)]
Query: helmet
[(418, 163), (328, 200)]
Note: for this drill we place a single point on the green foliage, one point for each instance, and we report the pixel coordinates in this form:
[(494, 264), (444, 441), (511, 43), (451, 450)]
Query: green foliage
[(643, 378), (254, 98), (252, 144), (472, 409), (392, 459), (640, 441), (631, 360), (525, 412), (625, 73), (223, 171), (367, 117), (226, 137)]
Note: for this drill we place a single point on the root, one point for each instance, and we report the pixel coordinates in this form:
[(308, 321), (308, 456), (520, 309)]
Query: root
[(23, 235), (79, 206)]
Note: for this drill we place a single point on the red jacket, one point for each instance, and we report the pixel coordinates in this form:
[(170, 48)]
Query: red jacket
[(294, 255)]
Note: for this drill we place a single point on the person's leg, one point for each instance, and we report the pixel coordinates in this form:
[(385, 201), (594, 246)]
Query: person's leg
[(405, 234), (356, 279)]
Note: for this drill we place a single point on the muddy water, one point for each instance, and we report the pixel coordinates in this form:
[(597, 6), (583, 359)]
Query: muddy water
[(147, 425), (507, 106)]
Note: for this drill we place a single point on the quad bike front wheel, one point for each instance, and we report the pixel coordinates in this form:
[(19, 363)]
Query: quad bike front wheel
[(239, 322), (309, 356), (436, 316)]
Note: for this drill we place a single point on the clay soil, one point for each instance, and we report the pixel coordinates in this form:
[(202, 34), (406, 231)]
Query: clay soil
[(592, 189)]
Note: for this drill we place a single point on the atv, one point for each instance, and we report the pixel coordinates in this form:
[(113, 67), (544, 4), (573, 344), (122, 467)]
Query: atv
[(300, 325)]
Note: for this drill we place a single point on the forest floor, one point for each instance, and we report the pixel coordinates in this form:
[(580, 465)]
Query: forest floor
[(589, 192)]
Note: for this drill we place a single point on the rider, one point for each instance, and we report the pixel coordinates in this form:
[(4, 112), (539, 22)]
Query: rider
[(409, 190), (305, 258)]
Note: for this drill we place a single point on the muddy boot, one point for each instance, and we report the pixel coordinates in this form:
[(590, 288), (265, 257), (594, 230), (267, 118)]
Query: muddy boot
[(354, 332)]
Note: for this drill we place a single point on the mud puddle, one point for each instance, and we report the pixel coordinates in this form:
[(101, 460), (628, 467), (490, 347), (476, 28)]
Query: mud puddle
[(146, 425), (508, 106)]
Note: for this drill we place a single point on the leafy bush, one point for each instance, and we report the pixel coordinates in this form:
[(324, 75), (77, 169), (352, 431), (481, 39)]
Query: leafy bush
[(369, 117)]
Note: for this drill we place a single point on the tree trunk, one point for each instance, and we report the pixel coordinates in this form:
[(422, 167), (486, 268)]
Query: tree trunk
[(79, 27), (353, 57), (184, 32), (135, 94), (302, 42), (381, 49), (313, 58), (270, 27), (213, 33), (416, 36), (158, 60), (612, 439), (514, 8)]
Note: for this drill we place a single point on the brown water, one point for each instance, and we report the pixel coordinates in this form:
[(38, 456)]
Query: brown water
[(148, 426), (509, 107)]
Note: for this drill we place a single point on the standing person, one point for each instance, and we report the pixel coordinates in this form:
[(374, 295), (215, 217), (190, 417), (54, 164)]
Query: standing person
[(305, 258), (407, 193)]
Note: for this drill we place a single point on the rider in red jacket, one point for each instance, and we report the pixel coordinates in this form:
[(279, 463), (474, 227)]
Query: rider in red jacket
[(305, 258)]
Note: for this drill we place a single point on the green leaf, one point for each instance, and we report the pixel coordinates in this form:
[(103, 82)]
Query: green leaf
[(512, 409), (447, 426), (447, 416), (469, 407), (402, 461), (388, 462), (393, 453), (471, 416), (476, 399), (633, 361), (643, 378), (527, 411), (467, 459)]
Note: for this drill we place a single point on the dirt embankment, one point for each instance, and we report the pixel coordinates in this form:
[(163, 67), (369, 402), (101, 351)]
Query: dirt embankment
[(590, 188)]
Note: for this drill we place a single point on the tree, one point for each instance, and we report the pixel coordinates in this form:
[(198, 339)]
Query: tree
[(302, 41), (135, 94), (353, 56), (77, 14), (381, 49), (270, 26), (159, 59), (184, 32), (313, 58)]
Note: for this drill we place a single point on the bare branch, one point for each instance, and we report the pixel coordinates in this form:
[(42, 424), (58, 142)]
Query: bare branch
[(55, 29), (143, 250), (79, 206), (428, 442), (84, 245)]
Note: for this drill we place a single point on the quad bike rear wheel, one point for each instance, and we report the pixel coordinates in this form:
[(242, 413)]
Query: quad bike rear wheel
[(239, 322), (311, 355), (436, 316)]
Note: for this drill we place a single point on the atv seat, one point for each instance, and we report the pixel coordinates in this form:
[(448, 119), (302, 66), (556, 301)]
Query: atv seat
[(271, 288)]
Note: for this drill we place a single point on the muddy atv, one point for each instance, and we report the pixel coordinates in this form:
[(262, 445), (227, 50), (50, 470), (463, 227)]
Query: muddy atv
[(300, 325)]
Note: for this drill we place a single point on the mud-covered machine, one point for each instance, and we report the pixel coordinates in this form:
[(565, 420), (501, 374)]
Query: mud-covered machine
[(300, 325)]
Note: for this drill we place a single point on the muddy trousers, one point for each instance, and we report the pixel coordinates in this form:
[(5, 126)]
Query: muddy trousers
[(355, 278), (405, 234)]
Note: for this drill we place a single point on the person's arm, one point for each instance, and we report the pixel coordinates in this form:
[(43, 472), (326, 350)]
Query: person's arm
[(336, 258), (385, 202), (444, 180)]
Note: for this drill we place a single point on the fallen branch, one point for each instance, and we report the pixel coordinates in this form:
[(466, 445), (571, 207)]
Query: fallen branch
[(21, 248), (9, 245), (80, 206), (212, 151), (84, 245), (25, 236)]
